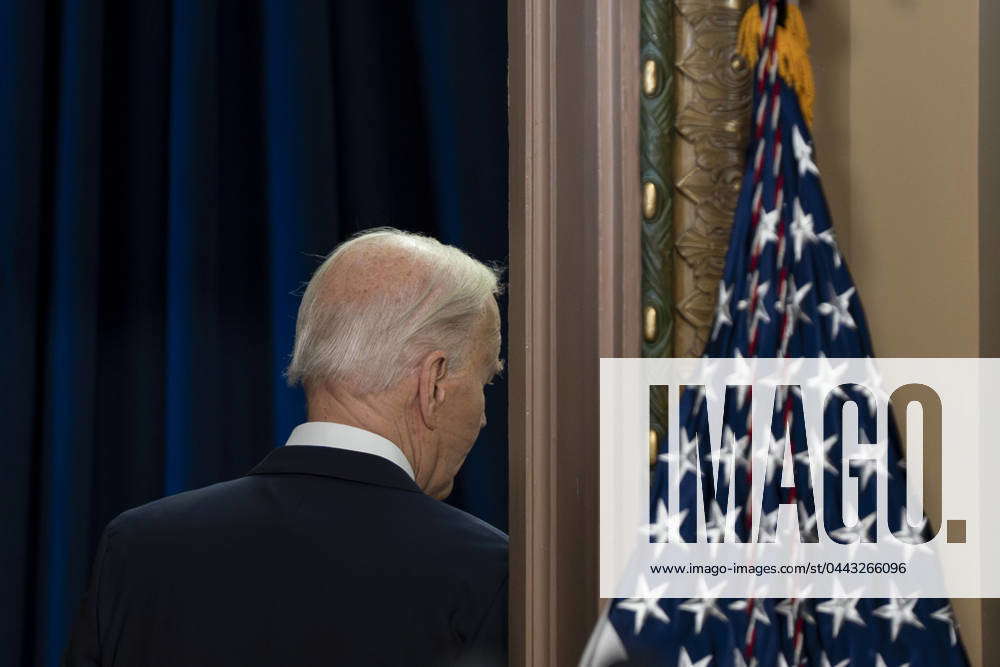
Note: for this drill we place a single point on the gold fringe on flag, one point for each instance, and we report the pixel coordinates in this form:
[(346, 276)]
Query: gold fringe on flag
[(792, 43)]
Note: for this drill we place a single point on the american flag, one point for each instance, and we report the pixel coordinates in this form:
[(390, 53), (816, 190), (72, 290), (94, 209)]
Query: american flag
[(786, 292)]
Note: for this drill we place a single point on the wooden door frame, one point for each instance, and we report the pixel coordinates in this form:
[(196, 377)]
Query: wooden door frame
[(575, 271)]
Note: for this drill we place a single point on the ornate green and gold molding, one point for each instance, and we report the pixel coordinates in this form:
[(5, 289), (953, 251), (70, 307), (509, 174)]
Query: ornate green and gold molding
[(656, 125), (713, 97), (656, 120)]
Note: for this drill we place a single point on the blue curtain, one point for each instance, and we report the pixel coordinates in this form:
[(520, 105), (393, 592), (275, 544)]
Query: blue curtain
[(170, 175)]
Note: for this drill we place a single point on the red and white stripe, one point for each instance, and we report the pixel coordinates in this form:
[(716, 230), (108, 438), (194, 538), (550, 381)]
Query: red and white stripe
[(769, 107)]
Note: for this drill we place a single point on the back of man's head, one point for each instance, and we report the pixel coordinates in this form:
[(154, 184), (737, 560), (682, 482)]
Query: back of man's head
[(380, 302)]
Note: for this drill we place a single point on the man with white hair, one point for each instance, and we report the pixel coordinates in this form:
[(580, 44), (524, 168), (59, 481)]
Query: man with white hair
[(336, 549)]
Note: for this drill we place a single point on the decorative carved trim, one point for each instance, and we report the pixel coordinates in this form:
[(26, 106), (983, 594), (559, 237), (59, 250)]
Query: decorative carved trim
[(656, 120), (713, 99)]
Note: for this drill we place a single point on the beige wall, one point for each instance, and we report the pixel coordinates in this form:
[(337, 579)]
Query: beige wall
[(898, 135), (897, 123)]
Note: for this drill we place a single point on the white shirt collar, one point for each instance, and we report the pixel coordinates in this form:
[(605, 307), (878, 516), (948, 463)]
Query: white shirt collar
[(342, 436)]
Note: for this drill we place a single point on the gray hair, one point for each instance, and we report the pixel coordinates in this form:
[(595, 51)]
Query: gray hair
[(372, 339)]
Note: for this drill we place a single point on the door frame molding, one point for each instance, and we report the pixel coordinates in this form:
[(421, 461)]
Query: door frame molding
[(575, 269)]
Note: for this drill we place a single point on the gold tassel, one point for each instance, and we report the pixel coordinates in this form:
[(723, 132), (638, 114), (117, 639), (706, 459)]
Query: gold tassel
[(796, 25), (749, 36), (792, 44)]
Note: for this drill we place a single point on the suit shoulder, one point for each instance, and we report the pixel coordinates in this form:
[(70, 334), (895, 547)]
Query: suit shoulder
[(180, 507), (459, 531), (476, 525)]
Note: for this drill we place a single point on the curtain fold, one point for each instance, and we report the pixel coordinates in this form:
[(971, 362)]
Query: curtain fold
[(170, 175)]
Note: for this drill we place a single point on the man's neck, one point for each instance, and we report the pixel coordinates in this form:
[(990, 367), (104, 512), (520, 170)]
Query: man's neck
[(368, 413)]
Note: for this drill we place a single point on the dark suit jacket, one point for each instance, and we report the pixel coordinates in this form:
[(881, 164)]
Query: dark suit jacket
[(318, 557)]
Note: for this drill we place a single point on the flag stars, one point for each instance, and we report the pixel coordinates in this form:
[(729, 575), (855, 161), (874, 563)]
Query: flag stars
[(742, 372), (856, 533), (760, 310), (772, 456), (768, 528), (827, 377), (792, 305), (767, 229), (807, 524), (740, 661), (828, 238), (838, 309), (706, 391), (803, 153), (688, 456), (723, 315), (825, 662), (912, 536), (667, 527), (819, 462), (732, 453), (756, 608), (704, 606), (646, 604), (802, 229), (793, 609), (841, 609), (869, 468), (946, 615), (899, 612), (684, 660), (715, 528)]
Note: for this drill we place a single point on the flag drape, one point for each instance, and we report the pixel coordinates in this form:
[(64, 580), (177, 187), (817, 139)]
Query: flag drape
[(786, 292)]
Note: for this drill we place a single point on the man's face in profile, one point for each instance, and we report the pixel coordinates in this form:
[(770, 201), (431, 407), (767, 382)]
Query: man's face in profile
[(464, 408)]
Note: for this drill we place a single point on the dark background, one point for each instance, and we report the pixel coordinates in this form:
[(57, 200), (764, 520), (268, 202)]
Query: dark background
[(170, 175)]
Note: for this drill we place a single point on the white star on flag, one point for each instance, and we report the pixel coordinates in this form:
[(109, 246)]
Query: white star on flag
[(646, 603), (706, 391), (946, 615), (766, 229), (825, 662), (828, 238), (731, 453), (742, 378), (772, 457), (899, 612), (841, 608), (879, 662), (872, 387), (779, 381), (683, 660), (793, 305), (802, 229), (868, 467), (858, 532), (688, 457), (818, 461), (739, 661), (715, 528), (768, 527), (912, 536), (827, 378), (723, 315), (760, 310), (807, 524), (704, 605), (793, 609), (667, 527), (838, 308), (803, 153), (758, 611)]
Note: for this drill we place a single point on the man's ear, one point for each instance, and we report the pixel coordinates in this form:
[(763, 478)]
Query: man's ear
[(430, 387)]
